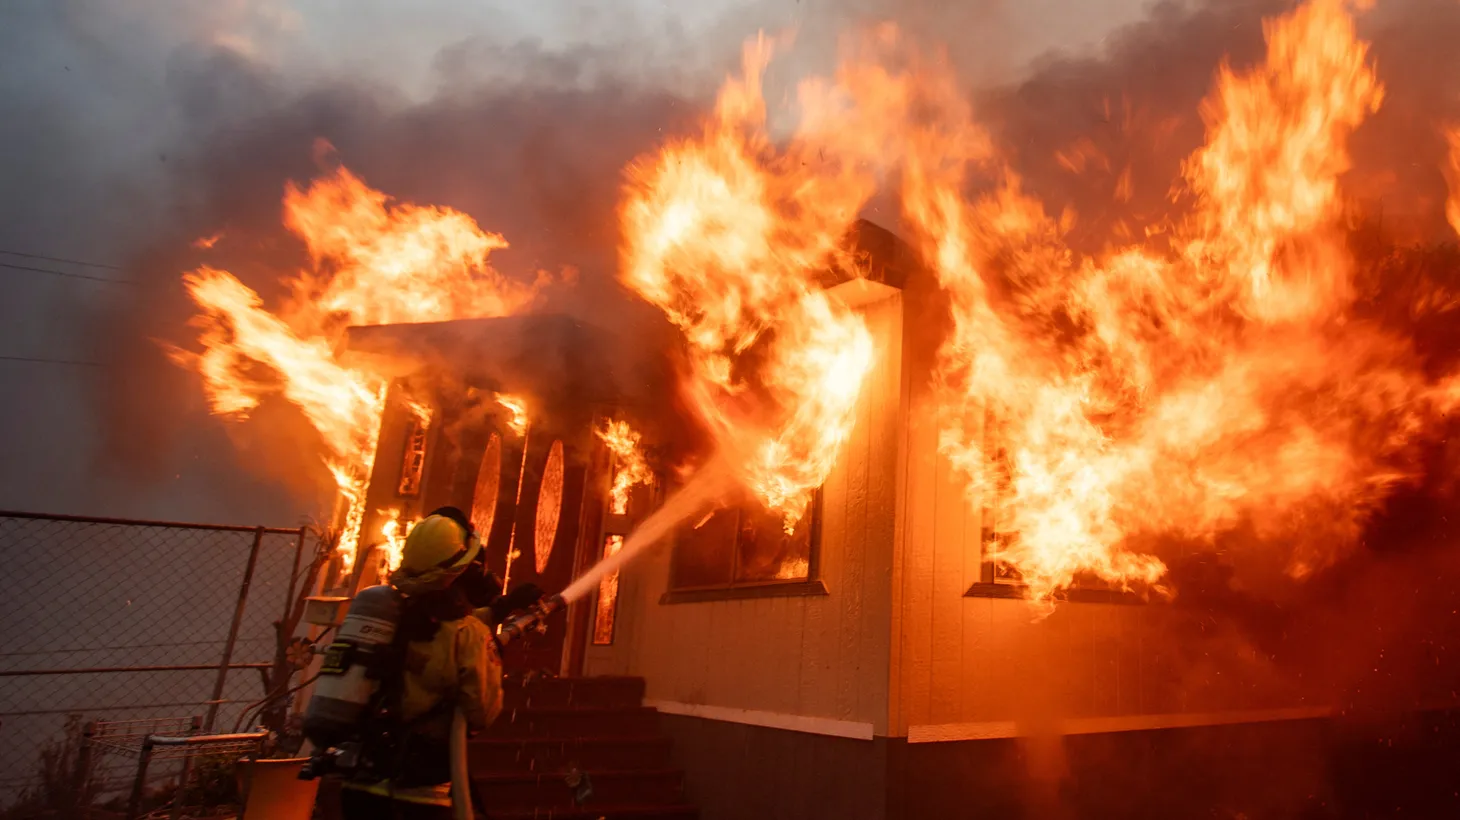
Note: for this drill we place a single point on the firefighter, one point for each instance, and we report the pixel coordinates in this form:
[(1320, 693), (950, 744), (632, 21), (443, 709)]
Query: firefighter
[(448, 659)]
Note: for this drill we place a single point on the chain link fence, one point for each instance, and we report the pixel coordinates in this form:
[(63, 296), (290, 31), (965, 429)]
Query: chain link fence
[(118, 620)]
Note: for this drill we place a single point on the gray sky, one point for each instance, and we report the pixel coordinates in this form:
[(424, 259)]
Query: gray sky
[(94, 104)]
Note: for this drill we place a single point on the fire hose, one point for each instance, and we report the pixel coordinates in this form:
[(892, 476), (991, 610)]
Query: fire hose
[(534, 619)]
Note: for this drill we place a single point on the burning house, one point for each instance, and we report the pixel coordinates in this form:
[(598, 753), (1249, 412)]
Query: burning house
[(955, 523)]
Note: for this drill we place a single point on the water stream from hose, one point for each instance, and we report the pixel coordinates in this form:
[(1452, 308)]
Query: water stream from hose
[(702, 489)]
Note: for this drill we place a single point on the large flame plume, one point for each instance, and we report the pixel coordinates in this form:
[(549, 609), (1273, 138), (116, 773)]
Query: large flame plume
[(1209, 376), (728, 234), (1209, 379), (373, 261)]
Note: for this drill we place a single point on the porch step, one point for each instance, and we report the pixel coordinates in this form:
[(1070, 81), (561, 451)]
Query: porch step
[(684, 812), (551, 791), (550, 726), (636, 722), (548, 755), (574, 693)]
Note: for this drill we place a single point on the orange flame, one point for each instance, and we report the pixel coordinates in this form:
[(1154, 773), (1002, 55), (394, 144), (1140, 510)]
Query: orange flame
[(1452, 208), (373, 261), (394, 532), (1154, 393), (728, 236), (630, 468), (518, 408)]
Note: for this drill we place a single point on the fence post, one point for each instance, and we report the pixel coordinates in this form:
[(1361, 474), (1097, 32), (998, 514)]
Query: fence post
[(182, 779), (82, 778), (134, 805), (294, 573), (253, 559)]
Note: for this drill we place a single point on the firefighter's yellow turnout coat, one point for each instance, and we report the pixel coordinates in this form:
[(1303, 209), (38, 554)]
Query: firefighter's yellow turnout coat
[(459, 667)]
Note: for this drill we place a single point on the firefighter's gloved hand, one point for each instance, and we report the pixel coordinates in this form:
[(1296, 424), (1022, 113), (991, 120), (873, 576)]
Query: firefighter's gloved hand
[(522, 597)]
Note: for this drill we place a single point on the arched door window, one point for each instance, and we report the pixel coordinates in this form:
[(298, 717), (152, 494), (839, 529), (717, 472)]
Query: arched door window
[(489, 484), (549, 506)]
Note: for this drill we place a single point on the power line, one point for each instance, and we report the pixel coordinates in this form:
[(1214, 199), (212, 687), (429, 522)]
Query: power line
[(66, 274), (32, 360), (127, 646), (60, 259)]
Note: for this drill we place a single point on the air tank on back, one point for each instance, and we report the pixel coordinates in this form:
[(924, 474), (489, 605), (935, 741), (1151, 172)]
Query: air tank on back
[(347, 681)]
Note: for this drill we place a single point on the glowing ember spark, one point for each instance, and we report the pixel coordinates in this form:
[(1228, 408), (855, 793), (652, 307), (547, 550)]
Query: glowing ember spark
[(630, 468), (207, 242), (373, 261), (1452, 209), (518, 408), (727, 236)]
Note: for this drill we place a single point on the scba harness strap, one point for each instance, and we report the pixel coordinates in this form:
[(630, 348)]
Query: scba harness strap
[(407, 753)]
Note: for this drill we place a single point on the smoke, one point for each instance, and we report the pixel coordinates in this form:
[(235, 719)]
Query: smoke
[(141, 126), (1104, 136), (539, 168)]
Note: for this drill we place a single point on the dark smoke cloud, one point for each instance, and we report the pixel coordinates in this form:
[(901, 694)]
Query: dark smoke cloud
[(1135, 112), (538, 162), (136, 127)]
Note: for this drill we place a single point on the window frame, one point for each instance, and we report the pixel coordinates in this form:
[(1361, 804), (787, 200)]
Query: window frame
[(811, 585), (990, 585)]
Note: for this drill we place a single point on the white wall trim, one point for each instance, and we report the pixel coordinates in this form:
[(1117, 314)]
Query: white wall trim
[(989, 730), (770, 720)]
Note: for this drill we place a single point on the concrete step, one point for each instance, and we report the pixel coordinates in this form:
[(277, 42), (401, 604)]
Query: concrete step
[(680, 812), (549, 755), (637, 722), (517, 792), (574, 693)]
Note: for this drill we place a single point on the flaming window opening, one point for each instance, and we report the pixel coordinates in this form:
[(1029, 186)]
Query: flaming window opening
[(630, 470)]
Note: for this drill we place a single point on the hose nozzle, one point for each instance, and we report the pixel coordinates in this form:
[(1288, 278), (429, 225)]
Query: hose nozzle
[(534, 618)]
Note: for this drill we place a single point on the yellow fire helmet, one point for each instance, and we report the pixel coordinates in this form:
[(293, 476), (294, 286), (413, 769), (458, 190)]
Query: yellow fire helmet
[(437, 546)]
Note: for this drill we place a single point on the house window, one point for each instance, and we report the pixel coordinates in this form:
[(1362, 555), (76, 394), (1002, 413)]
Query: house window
[(998, 578), (606, 610), (488, 487), (744, 551)]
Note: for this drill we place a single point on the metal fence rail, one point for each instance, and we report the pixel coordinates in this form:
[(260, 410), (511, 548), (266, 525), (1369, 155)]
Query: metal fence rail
[(105, 619)]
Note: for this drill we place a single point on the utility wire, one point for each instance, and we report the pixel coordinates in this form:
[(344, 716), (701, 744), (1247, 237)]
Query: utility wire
[(60, 259), (35, 360), (66, 274), (127, 646)]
